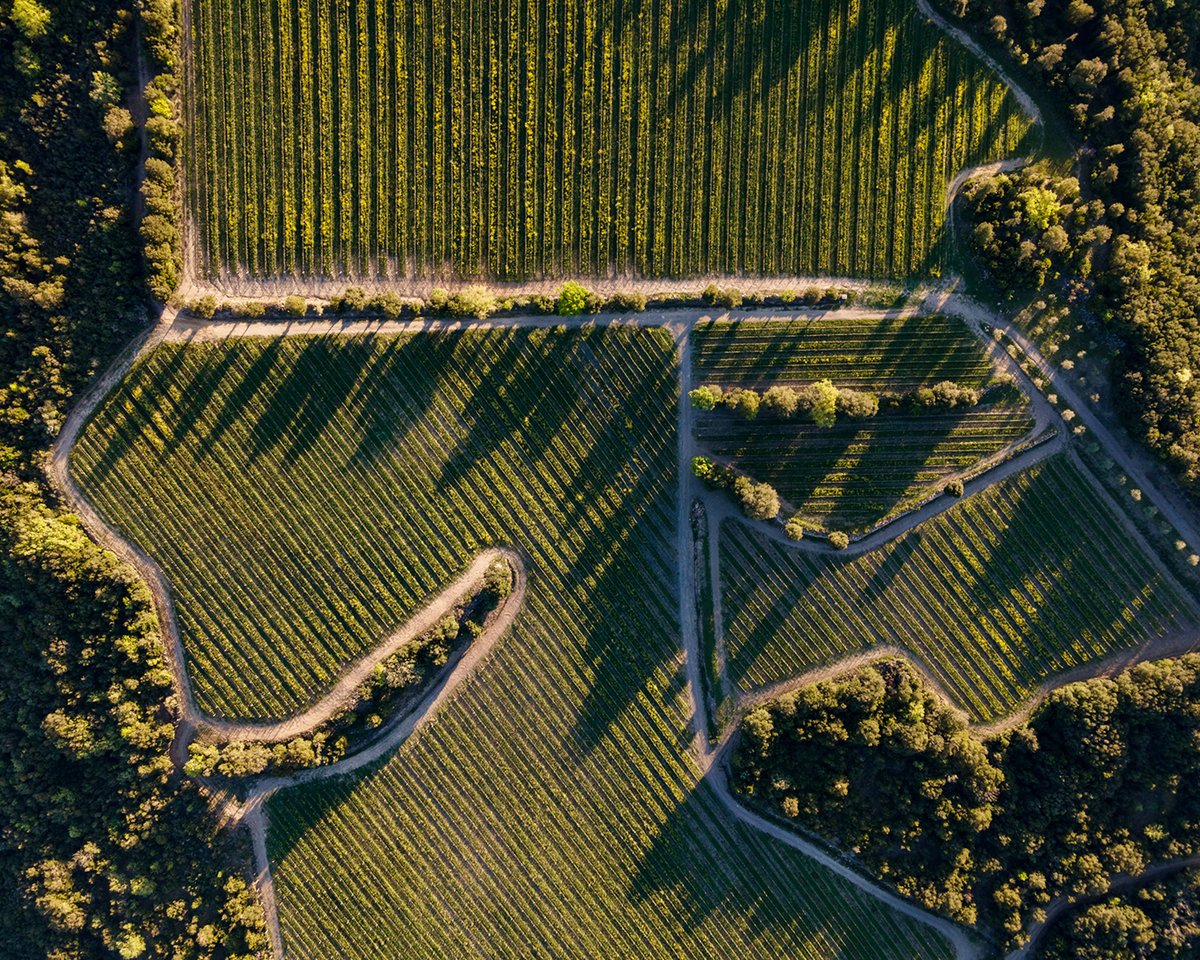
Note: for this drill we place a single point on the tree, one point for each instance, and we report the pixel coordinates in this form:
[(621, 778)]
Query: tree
[(794, 528), (744, 402), (781, 401), (572, 299), (839, 540), (706, 397), (759, 500), (702, 467), (497, 580), (473, 301), (857, 404), (820, 401)]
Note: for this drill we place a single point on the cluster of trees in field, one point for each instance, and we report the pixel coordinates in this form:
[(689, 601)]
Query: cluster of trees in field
[(822, 402), (105, 853), (1160, 921), (396, 682), (1100, 781), (1126, 69)]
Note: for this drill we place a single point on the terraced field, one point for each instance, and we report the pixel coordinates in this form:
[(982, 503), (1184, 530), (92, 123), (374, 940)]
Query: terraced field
[(854, 474), (585, 136), (552, 808), (1030, 578)]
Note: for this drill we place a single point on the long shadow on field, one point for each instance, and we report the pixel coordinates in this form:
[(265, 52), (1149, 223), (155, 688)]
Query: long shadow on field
[(166, 367), (320, 378), (516, 392), (712, 867), (251, 382), (386, 412)]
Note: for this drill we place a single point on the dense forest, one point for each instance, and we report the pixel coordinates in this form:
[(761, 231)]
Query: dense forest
[(1101, 781), (1121, 239), (1160, 921), (104, 850)]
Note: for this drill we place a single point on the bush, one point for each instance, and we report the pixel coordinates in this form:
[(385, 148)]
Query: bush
[(354, 300), (593, 303), (498, 580), (955, 488), (857, 404), (295, 305), (389, 304), (706, 397), (572, 299), (703, 467), (627, 302), (543, 304), (473, 301), (781, 401), (731, 299), (438, 298), (794, 528), (759, 500), (710, 293), (205, 307), (252, 309), (839, 540), (743, 402)]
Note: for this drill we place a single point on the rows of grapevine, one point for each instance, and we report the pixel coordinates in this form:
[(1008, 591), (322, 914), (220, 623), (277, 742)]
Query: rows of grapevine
[(552, 808), (408, 137), (857, 472), (1032, 577), (891, 354)]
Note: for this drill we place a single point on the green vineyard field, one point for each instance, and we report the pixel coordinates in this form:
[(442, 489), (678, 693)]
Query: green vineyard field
[(525, 139), (552, 807), (856, 473), (1030, 578)]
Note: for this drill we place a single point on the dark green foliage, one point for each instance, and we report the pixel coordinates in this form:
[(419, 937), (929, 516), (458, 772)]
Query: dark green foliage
[(1126, 71), (1031, 228), (102, 842), (1161, 921), (759, 500), (1102, 780)]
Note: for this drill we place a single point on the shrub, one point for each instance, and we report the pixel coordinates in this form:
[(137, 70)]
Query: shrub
[(205, 307), (794, 528), (759, 500), (731, 299), (295, 305), (955, 488), (252, 309), (839, 540), (702, 467), (572, 299), (543, 304), (744, 402), (473, 301), (389, 304), (354, 300), (498, 580), (593, 303), (627, 302), (706, 397), (781, 401), (438, 298), (857, 404), (710, 293)]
